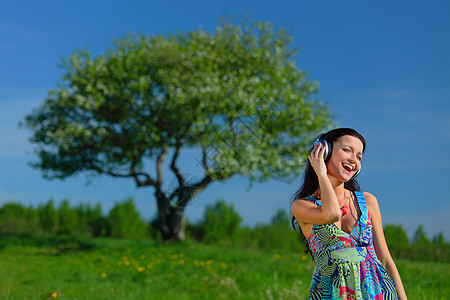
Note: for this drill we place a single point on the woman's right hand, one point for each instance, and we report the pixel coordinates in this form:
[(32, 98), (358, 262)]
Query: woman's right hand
[(316, 158)]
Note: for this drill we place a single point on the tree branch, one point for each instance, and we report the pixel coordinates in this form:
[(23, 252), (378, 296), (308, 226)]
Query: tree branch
[(147, 181), (204, 158), (190, 191), (139, 182), (159, 161), (174, 168), (209, 169)]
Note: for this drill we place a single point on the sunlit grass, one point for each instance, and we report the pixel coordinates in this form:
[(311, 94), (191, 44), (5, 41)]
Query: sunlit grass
[(121, 269)]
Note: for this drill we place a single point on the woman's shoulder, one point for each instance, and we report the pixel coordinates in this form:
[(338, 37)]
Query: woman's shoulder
[(307, 199), (311, 197), (371, 200), (369, 196)]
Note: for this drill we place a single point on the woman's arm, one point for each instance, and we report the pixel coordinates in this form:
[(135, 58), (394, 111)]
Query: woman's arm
[(306, 212), (381, 247)]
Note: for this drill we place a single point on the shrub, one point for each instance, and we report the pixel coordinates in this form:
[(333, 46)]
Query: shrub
[(221, 223), (269, 236), (17, 219)]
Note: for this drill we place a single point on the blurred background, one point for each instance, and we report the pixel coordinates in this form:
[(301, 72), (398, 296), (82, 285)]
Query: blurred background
[(383, 68)]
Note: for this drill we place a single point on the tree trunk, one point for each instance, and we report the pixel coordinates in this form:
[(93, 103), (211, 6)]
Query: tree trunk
[(170, 221), (176, 226), (172, 227)]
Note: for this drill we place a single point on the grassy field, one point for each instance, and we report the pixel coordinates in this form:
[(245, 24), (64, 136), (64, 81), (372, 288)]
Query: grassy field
[(50, 268)]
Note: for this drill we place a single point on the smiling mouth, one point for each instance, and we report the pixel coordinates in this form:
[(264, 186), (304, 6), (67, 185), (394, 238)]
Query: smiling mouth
[(347, 167)]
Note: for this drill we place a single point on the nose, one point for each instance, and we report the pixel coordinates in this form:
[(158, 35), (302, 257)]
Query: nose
[(353, 157)]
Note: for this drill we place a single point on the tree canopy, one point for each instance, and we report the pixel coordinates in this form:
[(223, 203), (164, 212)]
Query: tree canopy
[(235, 94)]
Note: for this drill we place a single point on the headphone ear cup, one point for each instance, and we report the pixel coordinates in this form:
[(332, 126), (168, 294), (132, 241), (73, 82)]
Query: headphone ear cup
[(327, 150), (327, 145)]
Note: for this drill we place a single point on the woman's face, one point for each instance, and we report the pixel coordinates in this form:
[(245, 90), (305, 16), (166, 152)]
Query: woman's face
[(345, 158)]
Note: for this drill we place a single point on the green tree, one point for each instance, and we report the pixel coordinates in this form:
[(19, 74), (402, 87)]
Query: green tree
[(48, 217), (276, 235), (420, 238), (67, 219), (221, 223), (15, 218), (280, 217), (439, 239), (125, 222), (82, 227), (96, 221), (235, 95), (397, 240)]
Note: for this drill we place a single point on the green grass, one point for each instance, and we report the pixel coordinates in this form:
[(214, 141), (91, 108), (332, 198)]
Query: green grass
[(50, 268)]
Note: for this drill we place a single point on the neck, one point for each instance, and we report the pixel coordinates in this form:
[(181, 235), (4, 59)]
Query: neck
[(338, 185)]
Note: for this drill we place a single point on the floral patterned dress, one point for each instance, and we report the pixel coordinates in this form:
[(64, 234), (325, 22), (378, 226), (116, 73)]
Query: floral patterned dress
[(346, 265)]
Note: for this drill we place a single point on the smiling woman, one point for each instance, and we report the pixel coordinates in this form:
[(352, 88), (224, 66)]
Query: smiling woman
[(342, 225)]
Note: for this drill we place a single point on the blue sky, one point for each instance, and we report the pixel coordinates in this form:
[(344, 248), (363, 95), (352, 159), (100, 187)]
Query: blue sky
[(383, 69)]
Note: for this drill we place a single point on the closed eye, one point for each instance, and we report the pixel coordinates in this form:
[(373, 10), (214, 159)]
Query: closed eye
[(359, 157)]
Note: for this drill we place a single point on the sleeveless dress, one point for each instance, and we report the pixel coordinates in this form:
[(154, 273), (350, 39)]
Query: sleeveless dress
[(346, 265)]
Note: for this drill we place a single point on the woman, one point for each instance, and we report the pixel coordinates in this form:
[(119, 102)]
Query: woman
[(342, 226)]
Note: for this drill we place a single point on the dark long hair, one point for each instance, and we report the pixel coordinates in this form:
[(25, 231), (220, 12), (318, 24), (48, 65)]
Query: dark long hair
[(311, 182)]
